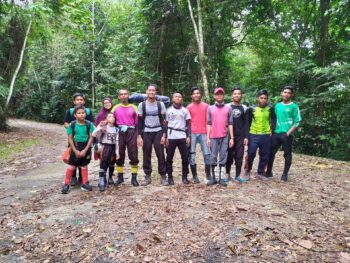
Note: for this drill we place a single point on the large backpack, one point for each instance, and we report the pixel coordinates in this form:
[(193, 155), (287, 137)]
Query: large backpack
[(136, 98)]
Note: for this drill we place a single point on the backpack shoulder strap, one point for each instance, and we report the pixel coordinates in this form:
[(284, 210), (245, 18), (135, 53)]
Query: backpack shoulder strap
[(159, 106), (72, 125), (71, 111), (143, 106), (88, 125)]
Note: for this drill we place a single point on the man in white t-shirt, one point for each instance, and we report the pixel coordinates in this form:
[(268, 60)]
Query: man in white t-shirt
[(178, 136)]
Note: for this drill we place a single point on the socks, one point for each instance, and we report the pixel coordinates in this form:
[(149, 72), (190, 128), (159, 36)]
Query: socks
[(120, 169), (69, 172), (84, 174), (134, 169)]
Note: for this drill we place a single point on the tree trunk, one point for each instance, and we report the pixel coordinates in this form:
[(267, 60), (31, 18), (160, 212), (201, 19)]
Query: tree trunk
[(200, 42), (14, 77), (93, 55), (161, 58), (321, 55)]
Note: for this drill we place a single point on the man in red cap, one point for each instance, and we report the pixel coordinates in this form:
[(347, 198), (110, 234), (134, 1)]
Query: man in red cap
[(218, 119)]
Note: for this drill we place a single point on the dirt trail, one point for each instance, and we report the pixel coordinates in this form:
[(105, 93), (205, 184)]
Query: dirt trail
[(304, 220)]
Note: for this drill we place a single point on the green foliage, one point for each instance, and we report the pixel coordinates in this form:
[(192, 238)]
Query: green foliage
[(253, 44)]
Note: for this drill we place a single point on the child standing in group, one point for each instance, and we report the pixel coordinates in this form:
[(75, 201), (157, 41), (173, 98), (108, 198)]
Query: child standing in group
[(80, 139), (78, 100), (108, 133), (102, 115), (178, 135)]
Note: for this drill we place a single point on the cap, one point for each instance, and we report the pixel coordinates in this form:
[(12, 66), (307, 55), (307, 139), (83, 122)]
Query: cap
[(218, 90)]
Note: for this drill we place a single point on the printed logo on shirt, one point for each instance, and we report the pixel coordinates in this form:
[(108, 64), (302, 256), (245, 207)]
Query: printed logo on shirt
[(111, 137), (236, 113)]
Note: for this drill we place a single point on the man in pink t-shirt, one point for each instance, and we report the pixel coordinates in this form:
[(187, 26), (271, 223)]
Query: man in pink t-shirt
[(126, 120), (198, 111), (218, 119)]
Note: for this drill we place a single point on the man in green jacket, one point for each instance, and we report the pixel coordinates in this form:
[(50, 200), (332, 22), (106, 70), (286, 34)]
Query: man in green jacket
[(288, 119)]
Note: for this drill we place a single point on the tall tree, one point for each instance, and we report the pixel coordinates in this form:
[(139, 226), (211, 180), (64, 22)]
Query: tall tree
[(198, 30)]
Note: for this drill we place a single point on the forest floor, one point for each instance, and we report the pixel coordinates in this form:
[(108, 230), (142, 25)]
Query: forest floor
[(304, 220)]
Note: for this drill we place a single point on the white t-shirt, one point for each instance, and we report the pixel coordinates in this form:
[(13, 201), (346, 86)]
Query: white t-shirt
[(176, 119), (151, 118)]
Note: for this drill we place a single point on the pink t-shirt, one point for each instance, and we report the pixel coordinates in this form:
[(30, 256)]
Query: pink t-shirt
[(219, 117), (125, 115), (198, 114)]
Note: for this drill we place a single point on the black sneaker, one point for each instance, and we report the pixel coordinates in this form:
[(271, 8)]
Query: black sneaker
[(263, 177), (170, 180), (185, 180), (120, 179), (222, 182), (65, 189), (284, 178), (74, 181), (196, 180), (269, 175), (134, 181), (163, 180), (86, 187), (110, 180)]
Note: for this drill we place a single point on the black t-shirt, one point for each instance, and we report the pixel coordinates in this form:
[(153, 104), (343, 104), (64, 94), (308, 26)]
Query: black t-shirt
[(68, 117), (240, 120)]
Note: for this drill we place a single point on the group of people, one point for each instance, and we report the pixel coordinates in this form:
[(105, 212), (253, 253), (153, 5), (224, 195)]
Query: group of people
[(222, 130)]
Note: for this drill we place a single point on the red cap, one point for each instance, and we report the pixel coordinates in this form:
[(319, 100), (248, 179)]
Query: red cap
[(218, 90)]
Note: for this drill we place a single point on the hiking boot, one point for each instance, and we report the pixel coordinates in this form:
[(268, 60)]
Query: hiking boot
[(134, 181), (194, 174), (86, 187), (269, 175), (170, 179), (222, 182), (241, 180), (208, 176), (65, 189), (284, 178), (147, 180), (185, 180), (263, 177), (110, 180), (101, 184), (213, 176), (163, 180), (120, 179), (74, 181)]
